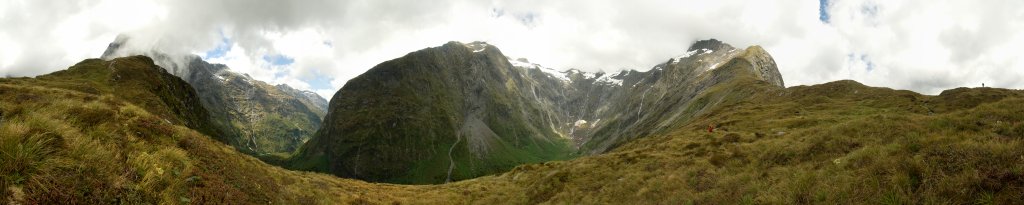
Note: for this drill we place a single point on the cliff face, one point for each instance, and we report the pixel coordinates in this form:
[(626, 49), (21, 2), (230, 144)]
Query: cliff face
[(463, 110), (255, 117), (599, 111)]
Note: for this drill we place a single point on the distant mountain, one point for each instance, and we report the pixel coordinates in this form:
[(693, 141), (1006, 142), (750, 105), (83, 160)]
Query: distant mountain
[(602, 110), (460, 111), (256, 117)]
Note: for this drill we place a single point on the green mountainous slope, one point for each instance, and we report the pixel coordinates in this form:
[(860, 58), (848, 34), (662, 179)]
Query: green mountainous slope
[(456, 108)]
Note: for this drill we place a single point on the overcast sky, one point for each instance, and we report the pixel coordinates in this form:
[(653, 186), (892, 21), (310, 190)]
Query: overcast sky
[(921, 45)]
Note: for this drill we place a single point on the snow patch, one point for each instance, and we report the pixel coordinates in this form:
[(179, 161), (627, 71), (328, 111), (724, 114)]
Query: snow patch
[(476, 46), (220, 75), (611, 79), (563, 76), (523, 63), (691, 53), (587, 75), (520, 63)]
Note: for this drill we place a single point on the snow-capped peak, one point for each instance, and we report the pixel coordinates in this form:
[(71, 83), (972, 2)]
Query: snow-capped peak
[(691, 53), (524, 63), (611, 79), (477, 46), (561, 75)]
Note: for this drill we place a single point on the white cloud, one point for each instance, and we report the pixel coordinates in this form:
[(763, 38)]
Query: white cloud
[(920, 45)]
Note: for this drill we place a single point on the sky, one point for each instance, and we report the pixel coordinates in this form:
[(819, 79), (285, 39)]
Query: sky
[(318, 45)]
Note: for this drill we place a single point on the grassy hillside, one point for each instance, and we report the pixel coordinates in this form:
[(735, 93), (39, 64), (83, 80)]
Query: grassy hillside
[(835, 143), (98, 134)]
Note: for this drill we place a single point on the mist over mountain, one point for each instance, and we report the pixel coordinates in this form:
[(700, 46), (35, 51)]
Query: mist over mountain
[(257, 117)]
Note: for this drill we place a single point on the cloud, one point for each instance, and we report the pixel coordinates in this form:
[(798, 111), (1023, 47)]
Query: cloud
[(918, 45)]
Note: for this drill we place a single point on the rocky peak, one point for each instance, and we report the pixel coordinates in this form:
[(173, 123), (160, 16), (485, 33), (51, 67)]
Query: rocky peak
[(114, 46), (710, 44), (764, 65), (478, 46)]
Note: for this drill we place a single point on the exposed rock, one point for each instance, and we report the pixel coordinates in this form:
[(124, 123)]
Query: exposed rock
[(255, 116)]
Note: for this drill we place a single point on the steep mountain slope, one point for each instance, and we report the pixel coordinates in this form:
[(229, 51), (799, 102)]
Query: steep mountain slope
[(87, 136), (256, 117), (446, 113), (600, 111), (403, 120)]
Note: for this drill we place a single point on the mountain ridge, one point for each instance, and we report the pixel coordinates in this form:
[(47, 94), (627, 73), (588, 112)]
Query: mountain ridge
[(259, 118), (493, 104)]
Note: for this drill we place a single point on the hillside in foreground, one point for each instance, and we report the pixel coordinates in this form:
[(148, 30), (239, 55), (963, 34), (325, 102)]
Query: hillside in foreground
[(101, 133)]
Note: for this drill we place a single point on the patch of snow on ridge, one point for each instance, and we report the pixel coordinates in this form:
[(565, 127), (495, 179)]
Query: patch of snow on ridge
[(476, 46), (523, 63), (219, 76), (588, 75), (610, 79), (691, 53), (554, 73)]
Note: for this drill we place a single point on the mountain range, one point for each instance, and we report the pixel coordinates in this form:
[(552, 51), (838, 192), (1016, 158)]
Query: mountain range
[(713, 126), (470, 107), (255, 117)]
